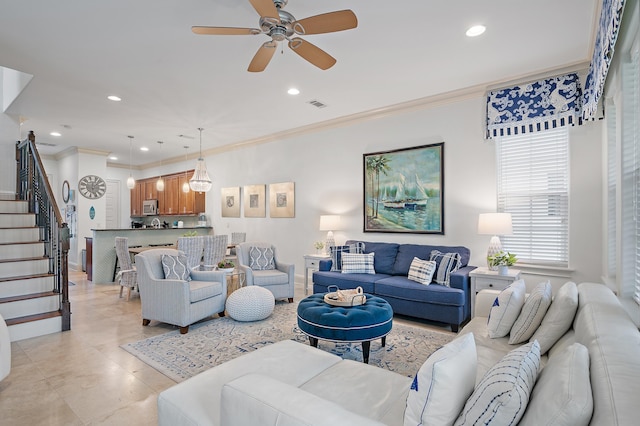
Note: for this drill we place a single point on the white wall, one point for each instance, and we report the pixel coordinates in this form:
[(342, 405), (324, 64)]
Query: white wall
[(9, 134)]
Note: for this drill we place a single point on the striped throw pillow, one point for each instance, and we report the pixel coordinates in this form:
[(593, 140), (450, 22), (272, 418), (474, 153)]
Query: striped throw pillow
[(446, 263), (337, 251), (502, 395), (422, 270), (357, 263), (532, 313)]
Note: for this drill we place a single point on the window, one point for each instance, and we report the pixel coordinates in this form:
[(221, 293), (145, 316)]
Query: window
[(533, 185)]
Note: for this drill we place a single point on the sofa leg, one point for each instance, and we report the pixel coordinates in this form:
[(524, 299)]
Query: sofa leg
[(454, 328), (221, 314), (366, 346), (291, 300), (184, 330), (145, 322)]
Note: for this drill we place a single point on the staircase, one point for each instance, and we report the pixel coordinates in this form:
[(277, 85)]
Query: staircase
[(29, 301)]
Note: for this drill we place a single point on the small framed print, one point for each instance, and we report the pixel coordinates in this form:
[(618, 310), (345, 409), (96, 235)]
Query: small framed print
[(254, 201), (230, 201), (282, 199)]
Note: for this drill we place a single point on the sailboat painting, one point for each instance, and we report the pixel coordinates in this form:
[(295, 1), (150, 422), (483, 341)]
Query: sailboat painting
[(403, 190)]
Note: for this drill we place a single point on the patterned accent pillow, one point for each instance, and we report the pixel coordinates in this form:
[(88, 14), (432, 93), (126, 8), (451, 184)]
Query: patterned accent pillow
[(175, 267), (502, 395), (446, 263), (505, 309), (357, 263), (337, 251), (533, 311), (422, 270), (443, 384), (261, 258)]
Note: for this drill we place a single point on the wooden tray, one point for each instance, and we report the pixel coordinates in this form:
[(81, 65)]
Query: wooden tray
[(346, 298)]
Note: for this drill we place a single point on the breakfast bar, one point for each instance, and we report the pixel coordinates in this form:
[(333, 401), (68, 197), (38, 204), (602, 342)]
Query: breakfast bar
[(103, 252)]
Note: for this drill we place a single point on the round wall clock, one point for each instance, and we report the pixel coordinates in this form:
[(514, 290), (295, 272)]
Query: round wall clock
[(65, 191), (92, 186)]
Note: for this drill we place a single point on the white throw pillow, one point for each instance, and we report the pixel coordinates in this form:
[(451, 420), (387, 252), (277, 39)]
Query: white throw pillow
[(502, 395), (443, 384), (422, 270), (358, 263), (559, 317), (562, 396), (505, 309), (532, 313)]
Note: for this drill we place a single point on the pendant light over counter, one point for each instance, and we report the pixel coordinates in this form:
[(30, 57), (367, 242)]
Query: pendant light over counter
[(200, 180), (160, 181), (131, 182), (185, 185)]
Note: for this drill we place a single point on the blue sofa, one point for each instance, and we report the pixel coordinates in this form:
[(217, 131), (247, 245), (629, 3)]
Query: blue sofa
[(450, 305)]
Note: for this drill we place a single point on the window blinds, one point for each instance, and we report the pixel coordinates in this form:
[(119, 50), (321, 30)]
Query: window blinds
[(533, 185)]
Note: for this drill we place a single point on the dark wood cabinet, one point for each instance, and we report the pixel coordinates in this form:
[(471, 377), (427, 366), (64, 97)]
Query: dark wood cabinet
[(172, 201)]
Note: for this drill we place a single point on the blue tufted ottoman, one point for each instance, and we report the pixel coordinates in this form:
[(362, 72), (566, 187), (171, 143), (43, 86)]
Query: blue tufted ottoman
[(363, 323)]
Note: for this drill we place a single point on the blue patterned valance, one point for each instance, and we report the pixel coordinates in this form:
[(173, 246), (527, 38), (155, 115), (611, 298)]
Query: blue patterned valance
[(606, 37), (536, 106)]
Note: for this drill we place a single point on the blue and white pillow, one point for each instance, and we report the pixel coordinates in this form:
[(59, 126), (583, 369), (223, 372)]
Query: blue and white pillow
[(501, 397), (357, 263), (532, 313), (175, 267), (446, 264), (337, 251), (505, 309), (422, 270), (261, 258)]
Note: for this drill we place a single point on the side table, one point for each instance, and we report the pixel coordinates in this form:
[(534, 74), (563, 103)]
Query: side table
[(483, 278), (312, 261)]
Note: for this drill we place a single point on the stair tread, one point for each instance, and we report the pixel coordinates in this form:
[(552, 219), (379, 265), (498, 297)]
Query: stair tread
[(23, 259), (21, 242), (25, 277), (28, 296), (18, 213), (18, 227), (31, 318)]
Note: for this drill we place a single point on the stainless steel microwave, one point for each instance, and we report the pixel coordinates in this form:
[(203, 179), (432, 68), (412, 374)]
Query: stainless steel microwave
[(150, 207)]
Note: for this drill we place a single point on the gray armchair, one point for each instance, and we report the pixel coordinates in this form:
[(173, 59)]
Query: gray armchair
[(178, 302), (280, 281)]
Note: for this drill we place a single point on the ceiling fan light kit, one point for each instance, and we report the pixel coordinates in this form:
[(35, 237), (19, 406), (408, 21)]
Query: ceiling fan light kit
[(200, 180), (280, 26)]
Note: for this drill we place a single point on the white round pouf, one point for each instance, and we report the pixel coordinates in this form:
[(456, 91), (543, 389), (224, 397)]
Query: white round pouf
[(252, 303)]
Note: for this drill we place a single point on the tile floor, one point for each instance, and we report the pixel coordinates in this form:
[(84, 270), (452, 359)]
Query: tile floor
[(83, 377)]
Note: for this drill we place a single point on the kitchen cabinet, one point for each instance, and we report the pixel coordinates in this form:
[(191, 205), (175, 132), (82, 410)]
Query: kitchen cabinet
[(172, 201), (171, 195), (136, 198)]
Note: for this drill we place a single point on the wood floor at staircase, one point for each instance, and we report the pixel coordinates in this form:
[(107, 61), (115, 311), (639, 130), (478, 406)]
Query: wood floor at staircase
[(30, 318)]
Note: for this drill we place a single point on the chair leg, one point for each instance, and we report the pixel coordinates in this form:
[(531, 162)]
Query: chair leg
[(291, 300), (128, 293), (184, 330), (146, 322), (121, 288), (221, 314)]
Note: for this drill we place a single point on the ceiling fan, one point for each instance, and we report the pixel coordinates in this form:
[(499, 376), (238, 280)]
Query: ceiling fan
[(281, 25)]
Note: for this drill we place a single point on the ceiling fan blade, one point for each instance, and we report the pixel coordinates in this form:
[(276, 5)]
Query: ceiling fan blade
[(312, 53), (263, 56), (266, 8), (224, 31), (326, 23)]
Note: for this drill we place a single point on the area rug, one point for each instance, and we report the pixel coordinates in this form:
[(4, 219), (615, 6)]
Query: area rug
[(180, 356)]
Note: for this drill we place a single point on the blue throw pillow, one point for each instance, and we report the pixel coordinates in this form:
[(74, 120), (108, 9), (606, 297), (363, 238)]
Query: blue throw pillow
[(446, 264), (337, 251)]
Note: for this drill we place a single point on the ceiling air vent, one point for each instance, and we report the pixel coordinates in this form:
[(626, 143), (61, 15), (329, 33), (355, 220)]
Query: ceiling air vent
[(316, 103), (46, 144)]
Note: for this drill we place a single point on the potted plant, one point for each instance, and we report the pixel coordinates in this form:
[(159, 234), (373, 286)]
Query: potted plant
[(502, 260), (226, 265)]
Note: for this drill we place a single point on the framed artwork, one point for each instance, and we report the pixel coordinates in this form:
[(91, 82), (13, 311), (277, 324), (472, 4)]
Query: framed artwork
[(282, 199), (230, 201), (404, 190), (254, 201)]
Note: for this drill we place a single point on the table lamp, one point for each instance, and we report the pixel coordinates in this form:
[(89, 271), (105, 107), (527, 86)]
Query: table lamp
[(494, 224), (330, 223)]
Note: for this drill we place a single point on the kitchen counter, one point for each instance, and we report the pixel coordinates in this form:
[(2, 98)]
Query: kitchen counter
[(104, 252)]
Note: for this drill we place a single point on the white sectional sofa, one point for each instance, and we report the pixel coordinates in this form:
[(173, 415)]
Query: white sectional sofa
[(289, 383)]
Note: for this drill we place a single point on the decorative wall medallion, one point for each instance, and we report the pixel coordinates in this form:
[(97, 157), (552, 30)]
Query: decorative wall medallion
[(92, 213), (92, 186), (65, 191)]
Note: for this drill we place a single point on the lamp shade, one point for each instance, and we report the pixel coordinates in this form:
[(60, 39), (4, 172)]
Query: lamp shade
[(329, 222), (495, 224)]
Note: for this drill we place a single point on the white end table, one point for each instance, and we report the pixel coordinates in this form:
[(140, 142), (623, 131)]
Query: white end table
[(483, 278), (312, 261)]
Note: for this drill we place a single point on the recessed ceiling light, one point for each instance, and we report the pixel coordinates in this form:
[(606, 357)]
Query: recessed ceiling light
[(114, 98), (293, 91), (113, 157), (55, 134), (476, 30), (144, 148)]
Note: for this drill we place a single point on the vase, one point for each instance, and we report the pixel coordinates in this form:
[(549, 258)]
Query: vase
[(503, 270)]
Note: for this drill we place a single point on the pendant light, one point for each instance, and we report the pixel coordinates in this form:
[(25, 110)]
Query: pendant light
[(160, 181), (185, 186), (200, 180), (131, 182)]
